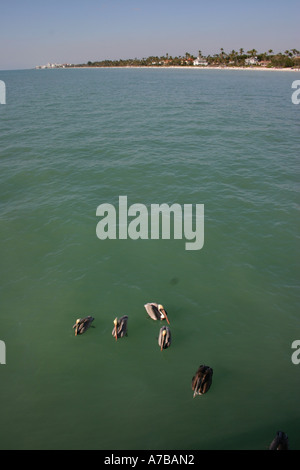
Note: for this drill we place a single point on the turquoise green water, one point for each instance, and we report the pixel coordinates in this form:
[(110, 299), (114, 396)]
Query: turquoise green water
[(74, 139)]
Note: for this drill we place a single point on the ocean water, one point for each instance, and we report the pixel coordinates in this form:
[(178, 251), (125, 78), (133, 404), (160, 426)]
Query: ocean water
[(71, 140)]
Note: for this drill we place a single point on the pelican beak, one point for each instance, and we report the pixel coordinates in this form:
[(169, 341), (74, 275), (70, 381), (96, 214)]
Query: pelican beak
[(198, 384), (165, 315), (116, 328), (163, 339)]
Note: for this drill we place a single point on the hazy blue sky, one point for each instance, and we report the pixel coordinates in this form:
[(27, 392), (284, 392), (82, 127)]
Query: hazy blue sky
[(35, 32)]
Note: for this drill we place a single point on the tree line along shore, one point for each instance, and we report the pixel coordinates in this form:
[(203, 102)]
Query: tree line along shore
[(290, 58), (287, 59)]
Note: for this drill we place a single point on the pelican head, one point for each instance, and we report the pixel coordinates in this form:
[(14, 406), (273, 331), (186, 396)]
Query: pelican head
[(116, 328), (164, 332), (76, 326), (163, 313)]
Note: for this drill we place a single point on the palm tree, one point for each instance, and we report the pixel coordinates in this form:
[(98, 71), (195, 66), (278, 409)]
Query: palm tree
[(253, 52), (216, 59), (263, 56), (295, 51), (232, 56), (222, 54)]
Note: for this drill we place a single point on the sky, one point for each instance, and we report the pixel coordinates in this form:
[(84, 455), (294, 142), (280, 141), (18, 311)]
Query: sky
[(35, 32)]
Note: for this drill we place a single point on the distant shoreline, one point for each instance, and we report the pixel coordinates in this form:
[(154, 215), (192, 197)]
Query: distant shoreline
[(192, 67), (250, 60)]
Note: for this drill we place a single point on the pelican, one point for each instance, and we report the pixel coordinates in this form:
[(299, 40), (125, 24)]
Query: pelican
[(156, 311), (201, 381), (120, 328), (164, 339), (280, 442), (82, 324)]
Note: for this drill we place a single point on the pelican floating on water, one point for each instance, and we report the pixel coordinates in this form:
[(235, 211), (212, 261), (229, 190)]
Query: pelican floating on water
[(164, 338), (82, 324), (202, 380), (120, 328), (280, 442), (156, 311)]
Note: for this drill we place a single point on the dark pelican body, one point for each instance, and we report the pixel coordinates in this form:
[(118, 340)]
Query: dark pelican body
[(82, 324), (164, 338), (280, 442), (202, 380), (156, 311), (120, 328)]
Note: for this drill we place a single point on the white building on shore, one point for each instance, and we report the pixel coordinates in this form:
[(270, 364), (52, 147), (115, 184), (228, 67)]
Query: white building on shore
[(200, 61), (251, 61), (53, 66)]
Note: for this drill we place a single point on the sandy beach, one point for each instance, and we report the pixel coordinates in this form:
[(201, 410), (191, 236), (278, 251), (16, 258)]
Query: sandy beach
[(260, 69)]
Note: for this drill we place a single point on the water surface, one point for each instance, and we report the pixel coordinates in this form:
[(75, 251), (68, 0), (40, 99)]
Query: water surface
[(74, 139)]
